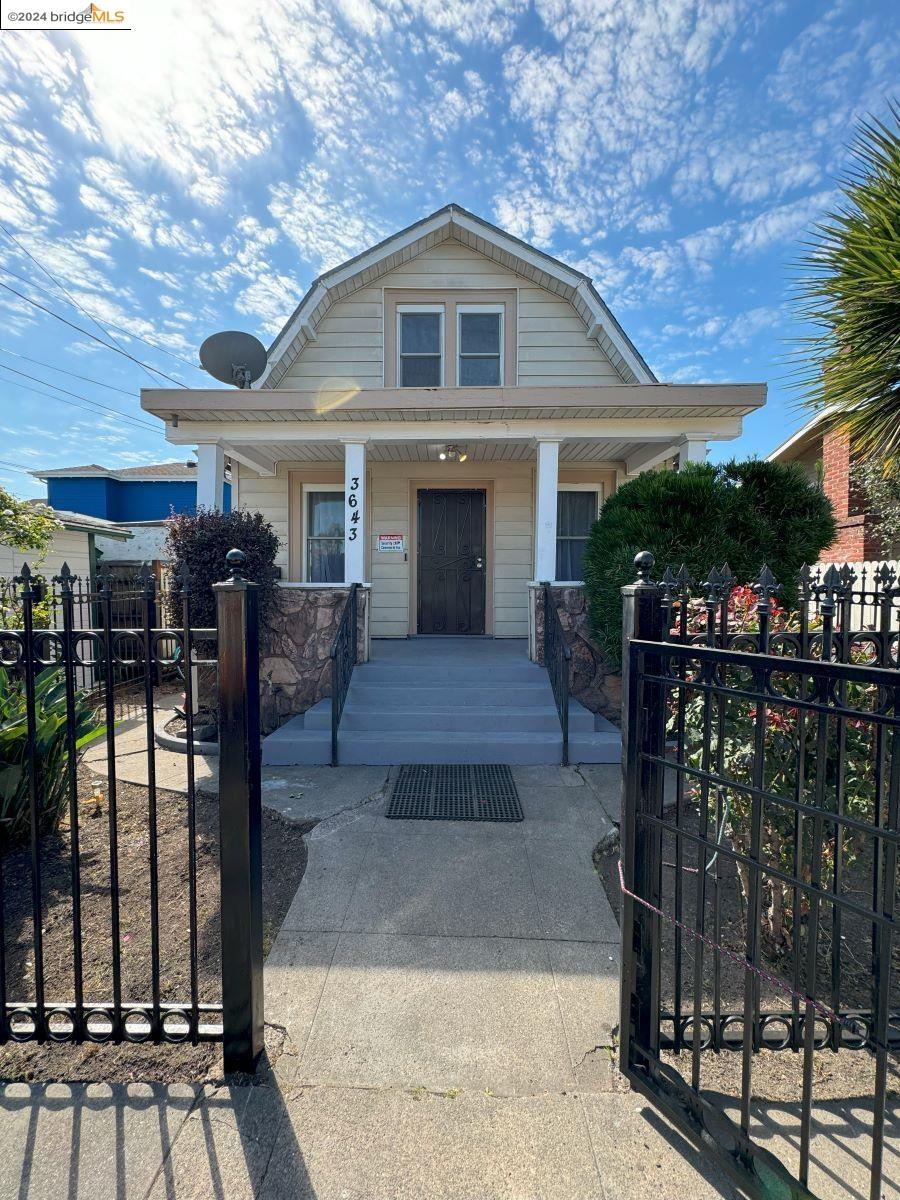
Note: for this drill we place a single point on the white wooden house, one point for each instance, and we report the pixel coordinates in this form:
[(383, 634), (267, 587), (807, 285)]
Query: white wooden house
[(441, 419)]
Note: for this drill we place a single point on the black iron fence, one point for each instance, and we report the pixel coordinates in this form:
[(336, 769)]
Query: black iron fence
[(759, 855), (130, 913), (344, 650), (557, 659)]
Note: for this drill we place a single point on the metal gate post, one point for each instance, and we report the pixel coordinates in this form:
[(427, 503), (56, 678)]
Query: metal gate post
[(643, 732), (240, 818)]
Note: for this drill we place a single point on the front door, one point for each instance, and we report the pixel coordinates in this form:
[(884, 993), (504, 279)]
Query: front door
[(451, 561)]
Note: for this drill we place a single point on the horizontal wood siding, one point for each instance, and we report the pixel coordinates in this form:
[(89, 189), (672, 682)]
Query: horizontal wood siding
[(267, 494), (552, 342), (67, 547)]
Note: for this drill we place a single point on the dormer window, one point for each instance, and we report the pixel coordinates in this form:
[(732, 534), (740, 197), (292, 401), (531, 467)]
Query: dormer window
[(480, 342), (420, 345)]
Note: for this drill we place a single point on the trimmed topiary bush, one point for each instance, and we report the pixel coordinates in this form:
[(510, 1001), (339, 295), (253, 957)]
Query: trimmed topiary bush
[(201, 541), (743, 513)]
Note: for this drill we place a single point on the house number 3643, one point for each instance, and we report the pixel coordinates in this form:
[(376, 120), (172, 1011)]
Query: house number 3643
[(353, 505)]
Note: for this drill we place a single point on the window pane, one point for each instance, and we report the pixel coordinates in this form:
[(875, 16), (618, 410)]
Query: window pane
[(570, 558), (325, 560), (576, 512), (420, 372), (420, 333), (479, 333), (479, 372), (326, 514)]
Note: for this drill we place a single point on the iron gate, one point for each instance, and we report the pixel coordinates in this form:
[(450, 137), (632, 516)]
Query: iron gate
[(57, 694), (759, 865)]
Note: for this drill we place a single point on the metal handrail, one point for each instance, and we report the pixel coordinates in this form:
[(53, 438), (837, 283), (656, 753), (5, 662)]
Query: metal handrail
[(557, 657), (343, 660)]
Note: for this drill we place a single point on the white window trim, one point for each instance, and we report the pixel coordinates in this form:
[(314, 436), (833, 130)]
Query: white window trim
[(440, 309), (500, 309), (600, 489), (304, 520)]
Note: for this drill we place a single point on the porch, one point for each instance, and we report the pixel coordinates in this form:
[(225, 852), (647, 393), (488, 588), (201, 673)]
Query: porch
[(447, 700)]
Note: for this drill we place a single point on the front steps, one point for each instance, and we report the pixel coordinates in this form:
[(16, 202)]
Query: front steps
[(445, 700)]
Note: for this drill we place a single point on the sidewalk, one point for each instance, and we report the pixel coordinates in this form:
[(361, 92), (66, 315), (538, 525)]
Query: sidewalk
[(446, 995)]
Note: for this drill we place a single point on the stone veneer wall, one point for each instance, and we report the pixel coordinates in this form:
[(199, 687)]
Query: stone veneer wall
[(294, 668), (592, 682)]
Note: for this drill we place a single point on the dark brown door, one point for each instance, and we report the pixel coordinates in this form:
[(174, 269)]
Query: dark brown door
[(451, 561)]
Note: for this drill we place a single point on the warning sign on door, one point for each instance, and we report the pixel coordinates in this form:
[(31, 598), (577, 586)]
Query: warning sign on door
[(390, 543)]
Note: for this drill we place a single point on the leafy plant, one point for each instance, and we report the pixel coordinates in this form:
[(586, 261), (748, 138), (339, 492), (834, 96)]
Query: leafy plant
[(26, 527), (791, 737), (850, 290), (879, 484), (200, 542), (51, 751), (744, 513)]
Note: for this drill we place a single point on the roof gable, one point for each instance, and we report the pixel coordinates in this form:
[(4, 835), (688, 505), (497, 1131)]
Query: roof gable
[(478, 235)]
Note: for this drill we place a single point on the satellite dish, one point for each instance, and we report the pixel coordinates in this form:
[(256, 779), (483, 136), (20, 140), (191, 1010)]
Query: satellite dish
[(233, 357)]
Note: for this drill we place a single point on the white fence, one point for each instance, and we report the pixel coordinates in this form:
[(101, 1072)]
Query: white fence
[(867, 592)]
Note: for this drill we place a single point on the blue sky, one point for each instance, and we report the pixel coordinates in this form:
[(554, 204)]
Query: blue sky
[(198, 172)]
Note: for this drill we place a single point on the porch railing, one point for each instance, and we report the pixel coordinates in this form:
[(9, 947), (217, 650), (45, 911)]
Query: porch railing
[(557, 657), (343, 660)]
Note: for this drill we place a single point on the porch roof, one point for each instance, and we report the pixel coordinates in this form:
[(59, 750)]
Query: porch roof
[(608, 402)]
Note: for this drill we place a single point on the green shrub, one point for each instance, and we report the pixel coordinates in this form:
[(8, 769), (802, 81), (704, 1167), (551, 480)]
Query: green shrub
[(51, 753), (201, 541), (743, 513)]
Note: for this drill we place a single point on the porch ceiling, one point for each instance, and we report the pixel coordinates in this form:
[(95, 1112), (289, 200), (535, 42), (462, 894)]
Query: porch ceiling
[(574, 450)]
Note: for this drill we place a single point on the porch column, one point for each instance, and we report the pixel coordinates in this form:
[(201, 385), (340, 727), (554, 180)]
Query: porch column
[(545, 511), (210, 475), (691, 451), (355, 511)]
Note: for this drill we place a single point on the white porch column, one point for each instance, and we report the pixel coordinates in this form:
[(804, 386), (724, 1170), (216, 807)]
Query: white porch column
[(545, 514), (355, 511), (691, 451), (210, 475)]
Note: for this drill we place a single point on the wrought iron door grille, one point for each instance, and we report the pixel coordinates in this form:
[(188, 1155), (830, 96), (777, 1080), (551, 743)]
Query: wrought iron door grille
[(444, 792)]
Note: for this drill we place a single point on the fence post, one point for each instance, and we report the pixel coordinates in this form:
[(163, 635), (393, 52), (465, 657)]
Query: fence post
[(643, 732), (240, 818)]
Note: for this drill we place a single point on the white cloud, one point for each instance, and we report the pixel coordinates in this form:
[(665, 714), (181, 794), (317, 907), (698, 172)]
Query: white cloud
[(783, 222)]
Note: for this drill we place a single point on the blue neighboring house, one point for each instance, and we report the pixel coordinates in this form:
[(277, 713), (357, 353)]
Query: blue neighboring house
[(140, 497)]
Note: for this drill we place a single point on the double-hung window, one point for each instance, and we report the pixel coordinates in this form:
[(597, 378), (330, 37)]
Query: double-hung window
[(420, 345), (324, 534), (479, 340), (577, 508)]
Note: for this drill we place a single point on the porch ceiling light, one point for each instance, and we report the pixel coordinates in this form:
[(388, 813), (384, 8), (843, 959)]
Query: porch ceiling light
[(454, 453)]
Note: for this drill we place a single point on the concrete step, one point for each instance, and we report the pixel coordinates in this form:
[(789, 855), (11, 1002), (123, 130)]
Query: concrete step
[(448, 671), (448, 696), (506, 719), (295, 744)]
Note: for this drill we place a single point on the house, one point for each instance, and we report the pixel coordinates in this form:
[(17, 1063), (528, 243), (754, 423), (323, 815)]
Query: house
[(75, 543), (140, 497), (440, 420), (827, 457)]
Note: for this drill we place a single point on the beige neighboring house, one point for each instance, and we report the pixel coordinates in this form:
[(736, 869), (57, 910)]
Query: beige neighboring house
[(74, 544), (441, 420)]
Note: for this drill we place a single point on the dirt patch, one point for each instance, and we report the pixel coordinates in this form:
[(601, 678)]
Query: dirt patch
[(777, 1075), (284, 860)]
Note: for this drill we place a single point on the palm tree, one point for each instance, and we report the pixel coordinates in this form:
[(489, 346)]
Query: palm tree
[(850, 290)]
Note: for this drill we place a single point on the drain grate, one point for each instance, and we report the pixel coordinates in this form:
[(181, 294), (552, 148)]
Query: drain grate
[(455, 793)]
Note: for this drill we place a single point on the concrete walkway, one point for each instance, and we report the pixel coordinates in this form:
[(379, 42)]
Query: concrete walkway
[(445, 997)]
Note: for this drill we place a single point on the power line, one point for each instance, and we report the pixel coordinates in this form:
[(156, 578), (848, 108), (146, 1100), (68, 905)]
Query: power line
[(87, 333), (50, 396), (15, 467), (64, 290), (118, 328), (50, 366)]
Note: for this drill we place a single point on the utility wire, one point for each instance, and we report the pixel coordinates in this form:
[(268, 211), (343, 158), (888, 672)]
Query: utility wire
[(50, 366), (14, 467), (51, 396), (87, 333), (15, 241), (118, 328)]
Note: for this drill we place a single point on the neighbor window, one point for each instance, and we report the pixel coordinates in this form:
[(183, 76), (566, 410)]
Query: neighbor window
[(325, 536), (480, 344), (576, 512), (420, 346)]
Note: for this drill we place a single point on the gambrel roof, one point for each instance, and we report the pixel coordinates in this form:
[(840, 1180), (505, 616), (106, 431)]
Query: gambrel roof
[(510, 252)]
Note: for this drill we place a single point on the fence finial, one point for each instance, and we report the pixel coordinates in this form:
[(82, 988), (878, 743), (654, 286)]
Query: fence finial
[(24, 576), (147, 579), (643, 564), (65, 578), (184, 579), (235, 560)]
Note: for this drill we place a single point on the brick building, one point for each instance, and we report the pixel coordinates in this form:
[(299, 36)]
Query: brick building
[(828, 457)]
